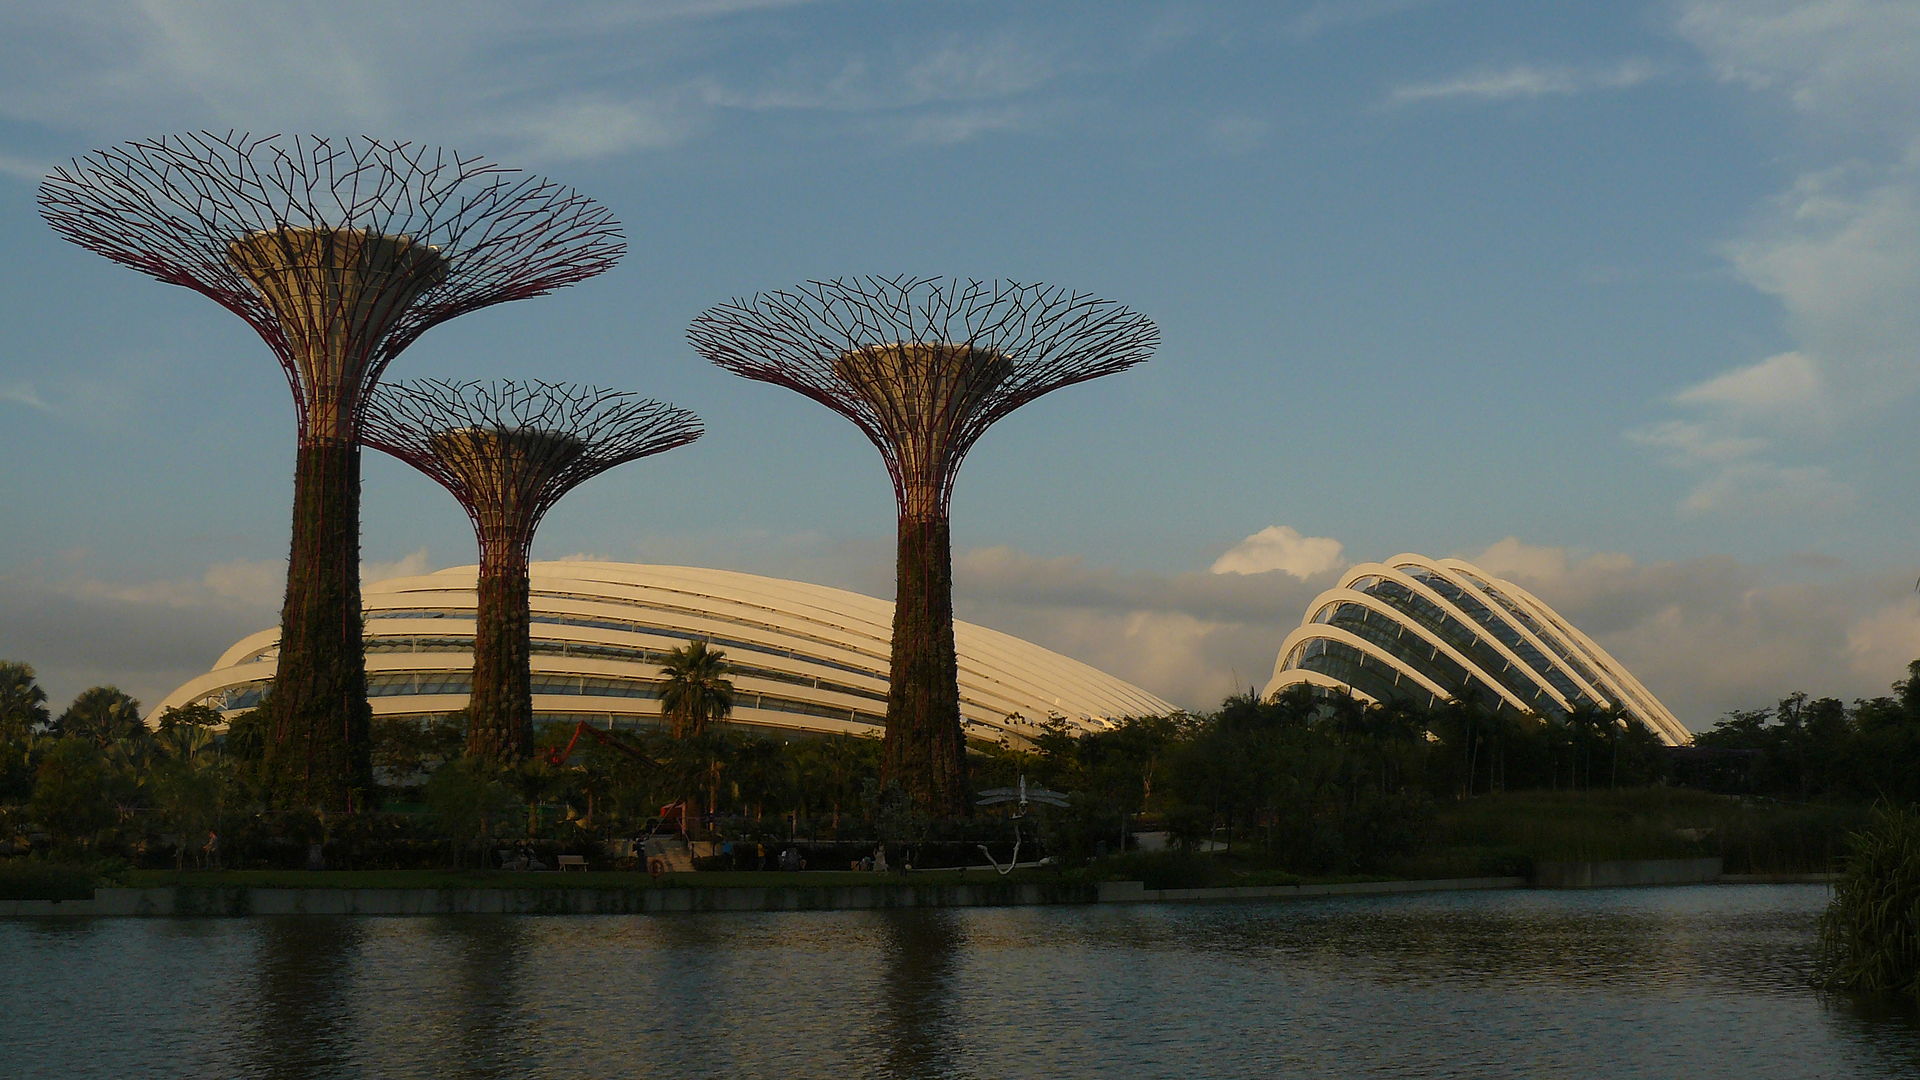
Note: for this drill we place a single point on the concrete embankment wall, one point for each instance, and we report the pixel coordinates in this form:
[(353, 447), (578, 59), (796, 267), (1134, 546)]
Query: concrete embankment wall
[(184, 900), (1133, 892), (192, 900), (1625, 872)]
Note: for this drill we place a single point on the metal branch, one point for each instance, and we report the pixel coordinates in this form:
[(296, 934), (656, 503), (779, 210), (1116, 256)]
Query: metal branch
[(338, 252), (923, 366), (509, 450)]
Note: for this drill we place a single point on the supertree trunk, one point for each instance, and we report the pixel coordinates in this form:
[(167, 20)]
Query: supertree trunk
[(925, 749), (500, 709), (317, 752)]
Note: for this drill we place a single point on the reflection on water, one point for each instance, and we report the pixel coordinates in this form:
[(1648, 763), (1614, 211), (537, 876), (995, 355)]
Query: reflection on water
[(1696, 982), (914, 1027), (299, 1004)]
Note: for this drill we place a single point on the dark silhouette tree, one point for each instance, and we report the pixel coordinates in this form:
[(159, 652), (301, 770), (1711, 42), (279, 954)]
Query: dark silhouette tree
[(923, 366), (23, 703), (104, 714), (339, 253), (508, 451), (696, 690)]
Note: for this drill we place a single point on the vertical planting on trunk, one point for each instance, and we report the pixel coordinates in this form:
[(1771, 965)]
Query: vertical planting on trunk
[(923, 366), (339, 253)]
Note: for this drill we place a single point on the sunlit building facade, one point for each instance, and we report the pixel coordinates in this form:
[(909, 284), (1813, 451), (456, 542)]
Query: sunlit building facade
[(1430, 630), (804, 657)]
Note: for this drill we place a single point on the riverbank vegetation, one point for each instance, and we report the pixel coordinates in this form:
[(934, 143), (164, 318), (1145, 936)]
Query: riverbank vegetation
[(1301, 788)]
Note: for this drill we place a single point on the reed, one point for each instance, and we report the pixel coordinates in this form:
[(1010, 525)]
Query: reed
[(1870, 932)]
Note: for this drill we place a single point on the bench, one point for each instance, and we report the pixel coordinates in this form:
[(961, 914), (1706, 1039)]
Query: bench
[(572, 862)]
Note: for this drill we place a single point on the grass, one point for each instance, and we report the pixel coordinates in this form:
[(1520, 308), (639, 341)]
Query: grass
[(591, 879)]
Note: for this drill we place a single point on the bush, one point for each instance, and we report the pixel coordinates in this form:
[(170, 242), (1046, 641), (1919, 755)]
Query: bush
[(1870, 932), (23, 880)]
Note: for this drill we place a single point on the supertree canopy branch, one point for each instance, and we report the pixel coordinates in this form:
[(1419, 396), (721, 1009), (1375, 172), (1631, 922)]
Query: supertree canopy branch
[(923, 366), (339, 253), (508, 451)]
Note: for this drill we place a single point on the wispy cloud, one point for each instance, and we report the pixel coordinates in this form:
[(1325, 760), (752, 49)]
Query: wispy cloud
[(534, 83), (1525, 81), (1325, 16), (21, 393), (1838, 250)]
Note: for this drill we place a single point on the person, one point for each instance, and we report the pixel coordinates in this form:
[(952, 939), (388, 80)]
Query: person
[(880, 858), (210, 851)]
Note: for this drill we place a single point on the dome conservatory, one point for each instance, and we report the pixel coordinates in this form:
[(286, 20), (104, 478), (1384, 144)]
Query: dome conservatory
[(803, 657), (1429, 630)]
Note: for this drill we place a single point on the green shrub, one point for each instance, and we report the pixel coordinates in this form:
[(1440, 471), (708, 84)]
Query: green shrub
[(21, 879), (1870, 932)]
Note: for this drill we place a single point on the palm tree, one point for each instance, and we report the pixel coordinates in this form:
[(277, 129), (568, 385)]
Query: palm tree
[(23, 704), (105, 714), (696, 690)]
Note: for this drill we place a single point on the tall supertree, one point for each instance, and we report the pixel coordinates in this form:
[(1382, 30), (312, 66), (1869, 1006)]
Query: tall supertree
[(339, 253), (923, 366), (508, 451)]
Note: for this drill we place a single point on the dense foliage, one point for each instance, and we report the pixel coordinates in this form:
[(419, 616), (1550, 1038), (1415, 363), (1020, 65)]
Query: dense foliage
[(1301, 785), (1870, 933)]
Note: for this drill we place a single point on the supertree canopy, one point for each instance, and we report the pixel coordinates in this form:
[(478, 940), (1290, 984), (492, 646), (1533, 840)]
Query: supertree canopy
[(339, 253), (508, 451), (923, 366)]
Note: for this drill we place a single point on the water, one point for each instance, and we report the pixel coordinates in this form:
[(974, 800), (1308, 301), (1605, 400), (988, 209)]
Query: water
[(1692, 982)]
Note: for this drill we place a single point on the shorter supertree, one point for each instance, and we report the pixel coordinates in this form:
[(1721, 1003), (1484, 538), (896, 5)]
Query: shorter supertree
[(923, 366), (508, 451)]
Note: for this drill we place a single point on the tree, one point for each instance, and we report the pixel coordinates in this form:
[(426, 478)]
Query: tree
[(466, 797), (696, 691), (105, 714), (23, 712), (23, 704), (73, 791)]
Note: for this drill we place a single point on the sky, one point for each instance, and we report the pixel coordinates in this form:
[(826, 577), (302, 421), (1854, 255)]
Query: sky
[(1619, 301)]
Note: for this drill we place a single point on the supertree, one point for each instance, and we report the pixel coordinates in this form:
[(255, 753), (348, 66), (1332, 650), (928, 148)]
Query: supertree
[(508, 451), (339, 253), (923, 366)]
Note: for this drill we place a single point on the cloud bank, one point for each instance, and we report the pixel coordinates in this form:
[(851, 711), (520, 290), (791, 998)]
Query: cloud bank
[(1838, 250)]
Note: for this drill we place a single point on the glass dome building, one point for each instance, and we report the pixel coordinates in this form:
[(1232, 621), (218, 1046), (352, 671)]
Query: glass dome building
[(803, 657), (1429, 630)]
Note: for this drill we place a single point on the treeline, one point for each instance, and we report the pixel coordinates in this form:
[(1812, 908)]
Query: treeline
[(1815, 748), (1311, 783), (1318, 783)]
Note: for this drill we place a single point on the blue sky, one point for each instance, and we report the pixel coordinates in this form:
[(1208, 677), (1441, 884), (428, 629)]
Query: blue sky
[(1621, 300)]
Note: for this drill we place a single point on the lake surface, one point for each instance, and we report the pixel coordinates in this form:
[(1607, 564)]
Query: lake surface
[(1686, 982)]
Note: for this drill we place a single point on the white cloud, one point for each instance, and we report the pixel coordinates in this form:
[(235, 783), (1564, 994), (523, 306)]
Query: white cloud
[(1688, 442), (1282, 548), (1842, 60), (412, 564), (1785, 387), (79, 629), (1525, 81), (1191, 638), (530, 84), (1839, 250), (1761, 489), (1323, 16), (23, 393), (1887, 639), (598, 127)]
